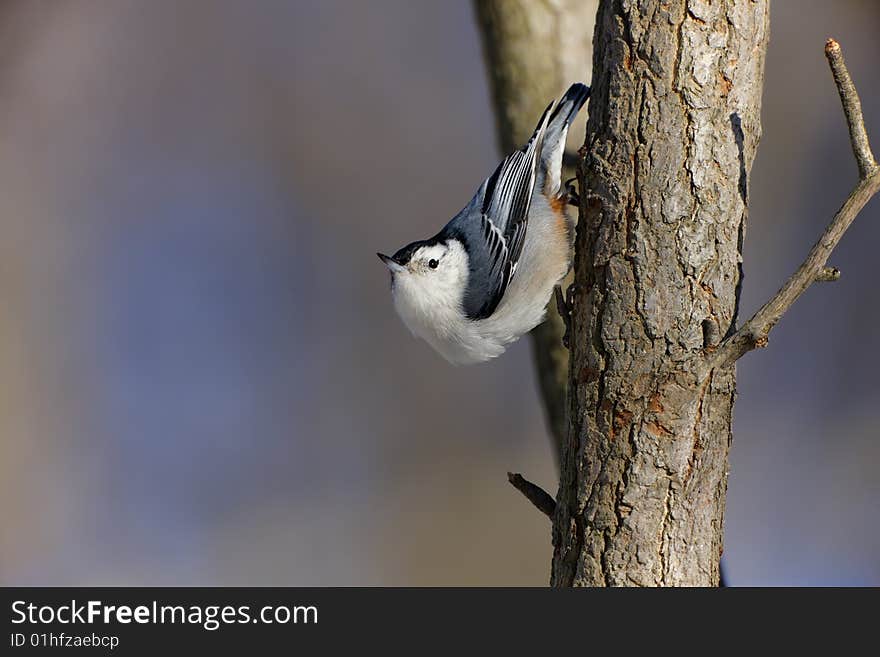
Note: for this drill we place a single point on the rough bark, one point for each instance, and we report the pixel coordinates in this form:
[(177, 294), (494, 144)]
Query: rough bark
[(534, 50), (673, 127)]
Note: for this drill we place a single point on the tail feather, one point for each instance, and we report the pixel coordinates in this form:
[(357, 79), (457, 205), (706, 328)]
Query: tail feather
[(553, 146)]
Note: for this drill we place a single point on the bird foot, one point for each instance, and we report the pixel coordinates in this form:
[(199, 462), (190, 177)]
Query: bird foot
[(563, 307), (572, 197)]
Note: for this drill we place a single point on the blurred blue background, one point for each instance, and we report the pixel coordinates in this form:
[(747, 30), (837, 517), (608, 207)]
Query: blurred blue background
[(202, 378)]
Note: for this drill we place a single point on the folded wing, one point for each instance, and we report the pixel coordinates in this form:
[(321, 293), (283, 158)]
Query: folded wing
[(494, 225)]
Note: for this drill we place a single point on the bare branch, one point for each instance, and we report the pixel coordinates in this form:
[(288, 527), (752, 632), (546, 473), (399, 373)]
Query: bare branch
[(852, 107), (534, 494), (753, 334)]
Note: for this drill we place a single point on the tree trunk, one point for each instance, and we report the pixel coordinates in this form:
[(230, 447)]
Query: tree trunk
[(673, 126), (534, 51)]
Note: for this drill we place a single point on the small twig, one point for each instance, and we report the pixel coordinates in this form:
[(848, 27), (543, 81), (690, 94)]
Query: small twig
[(828, 275), (753, 334), (852, 108), (534, 494)]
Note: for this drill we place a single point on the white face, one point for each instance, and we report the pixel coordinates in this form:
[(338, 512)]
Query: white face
[(433, 279)]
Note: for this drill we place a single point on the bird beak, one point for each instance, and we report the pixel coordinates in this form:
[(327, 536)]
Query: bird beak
[(391, 263)]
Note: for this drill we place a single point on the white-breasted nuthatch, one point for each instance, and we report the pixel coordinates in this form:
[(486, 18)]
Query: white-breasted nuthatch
[(486, 278)]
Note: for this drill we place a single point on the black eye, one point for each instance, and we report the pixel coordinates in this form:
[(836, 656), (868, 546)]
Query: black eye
[(433, 263)]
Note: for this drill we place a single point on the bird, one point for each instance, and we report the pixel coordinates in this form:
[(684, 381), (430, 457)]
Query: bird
[(486, 278)]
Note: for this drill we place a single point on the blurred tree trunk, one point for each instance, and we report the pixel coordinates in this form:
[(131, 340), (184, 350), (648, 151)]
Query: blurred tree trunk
[(674, 124), (673, 127), (534, 51)]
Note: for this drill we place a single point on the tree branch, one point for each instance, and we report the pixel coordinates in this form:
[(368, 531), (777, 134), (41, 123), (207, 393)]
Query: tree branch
[(534, 494), (754, 333), (852, 108)]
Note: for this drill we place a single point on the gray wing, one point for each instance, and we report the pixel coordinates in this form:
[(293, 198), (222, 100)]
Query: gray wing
[(494, 224)]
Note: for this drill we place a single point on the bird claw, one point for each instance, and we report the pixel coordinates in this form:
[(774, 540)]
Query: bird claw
[(563, 307), (572, 196)]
